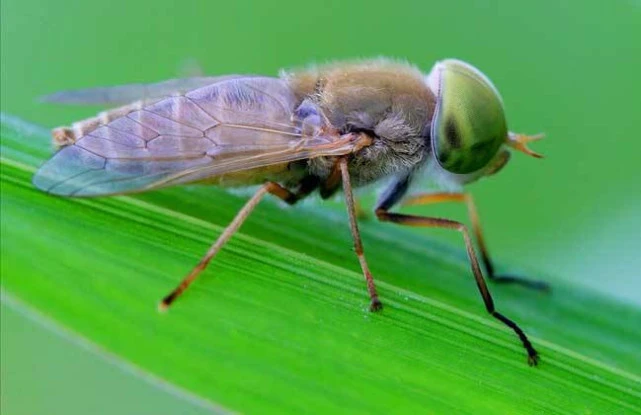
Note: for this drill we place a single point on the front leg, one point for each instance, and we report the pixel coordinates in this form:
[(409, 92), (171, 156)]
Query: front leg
[(424, 199), (375, 302)]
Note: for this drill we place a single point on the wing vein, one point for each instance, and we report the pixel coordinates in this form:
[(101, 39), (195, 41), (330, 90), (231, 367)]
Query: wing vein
[(203, 110), (283, 106), (72, 177), (112, 126), (172, 120), (266, 130), (141, 124)]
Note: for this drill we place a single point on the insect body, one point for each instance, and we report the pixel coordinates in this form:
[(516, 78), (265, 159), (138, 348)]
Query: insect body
[(321, 129)]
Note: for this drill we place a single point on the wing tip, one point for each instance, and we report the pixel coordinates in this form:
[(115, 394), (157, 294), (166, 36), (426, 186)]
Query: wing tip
[(59, 97), (40, 181), (89, 96)]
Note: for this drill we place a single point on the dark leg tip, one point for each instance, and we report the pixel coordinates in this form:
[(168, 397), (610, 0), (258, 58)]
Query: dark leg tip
[(533, 359), (375, 305), (164, 304)]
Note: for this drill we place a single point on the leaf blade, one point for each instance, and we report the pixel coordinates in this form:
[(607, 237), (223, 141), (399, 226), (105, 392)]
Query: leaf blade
[(297, 293)]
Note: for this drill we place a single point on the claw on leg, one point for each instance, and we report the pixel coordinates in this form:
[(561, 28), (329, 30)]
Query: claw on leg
[(375, 305)]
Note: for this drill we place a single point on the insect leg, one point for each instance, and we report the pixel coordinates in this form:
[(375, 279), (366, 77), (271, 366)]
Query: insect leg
[(375, 303), (424, 199), (332, 184), (411, 220), (269, 187)]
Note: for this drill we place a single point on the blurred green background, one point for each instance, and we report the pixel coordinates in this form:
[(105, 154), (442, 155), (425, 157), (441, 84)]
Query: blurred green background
[(569, 69)]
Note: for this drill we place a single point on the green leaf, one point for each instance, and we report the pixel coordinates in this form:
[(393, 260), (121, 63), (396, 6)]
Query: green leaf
[(279, 321)]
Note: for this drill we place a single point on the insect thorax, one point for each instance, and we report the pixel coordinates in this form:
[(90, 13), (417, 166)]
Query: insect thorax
[(388, 101)]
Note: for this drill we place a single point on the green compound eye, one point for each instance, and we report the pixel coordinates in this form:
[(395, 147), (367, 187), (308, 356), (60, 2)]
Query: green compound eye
[(469, 123)]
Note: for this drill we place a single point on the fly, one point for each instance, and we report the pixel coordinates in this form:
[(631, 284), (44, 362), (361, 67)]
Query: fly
[(315, 130)]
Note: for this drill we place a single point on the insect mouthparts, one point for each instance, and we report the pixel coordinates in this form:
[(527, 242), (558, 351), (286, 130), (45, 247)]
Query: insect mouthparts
[(519, 142)]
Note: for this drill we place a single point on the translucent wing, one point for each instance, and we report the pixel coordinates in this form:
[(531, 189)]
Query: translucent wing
[(232, 125), (122, 94)]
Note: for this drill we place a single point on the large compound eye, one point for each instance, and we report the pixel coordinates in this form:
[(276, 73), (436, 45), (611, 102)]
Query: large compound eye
[(469, 124)]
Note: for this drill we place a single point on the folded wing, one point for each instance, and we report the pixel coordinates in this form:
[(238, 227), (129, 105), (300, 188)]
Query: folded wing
[(231, 125)]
